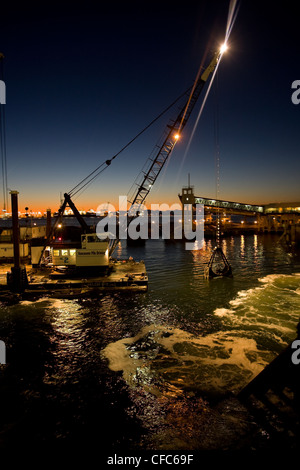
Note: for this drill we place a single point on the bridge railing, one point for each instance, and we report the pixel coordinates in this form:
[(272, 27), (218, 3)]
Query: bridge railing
[(229, 205)]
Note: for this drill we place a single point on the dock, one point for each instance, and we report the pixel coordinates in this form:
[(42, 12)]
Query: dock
[(122, 275)]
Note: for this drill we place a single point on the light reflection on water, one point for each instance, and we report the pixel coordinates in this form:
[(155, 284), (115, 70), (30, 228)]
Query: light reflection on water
[(154, 358)]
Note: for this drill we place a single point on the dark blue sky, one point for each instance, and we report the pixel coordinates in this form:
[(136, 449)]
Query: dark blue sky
[(84, 80)]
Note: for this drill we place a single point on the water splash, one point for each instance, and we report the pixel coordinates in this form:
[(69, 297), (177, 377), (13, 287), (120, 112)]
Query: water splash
[(259, 322)]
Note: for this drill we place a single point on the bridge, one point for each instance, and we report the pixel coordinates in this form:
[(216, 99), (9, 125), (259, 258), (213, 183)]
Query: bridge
[(229, 206), (187, 197), (274, 217)]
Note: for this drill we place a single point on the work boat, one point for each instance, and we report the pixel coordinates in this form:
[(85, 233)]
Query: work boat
[(93, 253)]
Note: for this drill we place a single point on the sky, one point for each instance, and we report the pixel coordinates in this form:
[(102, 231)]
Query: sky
[(83, 79)]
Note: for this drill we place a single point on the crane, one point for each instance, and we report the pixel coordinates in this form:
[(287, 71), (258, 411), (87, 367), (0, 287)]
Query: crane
[(172, 134)]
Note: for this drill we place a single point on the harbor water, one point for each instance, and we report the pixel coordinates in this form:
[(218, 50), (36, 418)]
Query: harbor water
[(153, 370)]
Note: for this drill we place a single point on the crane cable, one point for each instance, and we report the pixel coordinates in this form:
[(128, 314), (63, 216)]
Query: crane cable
[(218, 265), (3, 143), (104, 165), (217, 159)]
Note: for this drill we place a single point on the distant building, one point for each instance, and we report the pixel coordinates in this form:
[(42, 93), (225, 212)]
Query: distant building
[(27, 233), (282, 207)]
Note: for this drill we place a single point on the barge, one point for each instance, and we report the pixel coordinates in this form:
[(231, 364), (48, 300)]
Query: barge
[(69, 267), (122, 275)]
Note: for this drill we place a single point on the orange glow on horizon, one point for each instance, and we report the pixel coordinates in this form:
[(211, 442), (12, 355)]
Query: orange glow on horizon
[(41, 210)]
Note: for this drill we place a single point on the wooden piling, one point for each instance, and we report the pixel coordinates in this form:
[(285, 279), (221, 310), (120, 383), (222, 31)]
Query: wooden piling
[(15, 226), (17, 278), (48, 226)]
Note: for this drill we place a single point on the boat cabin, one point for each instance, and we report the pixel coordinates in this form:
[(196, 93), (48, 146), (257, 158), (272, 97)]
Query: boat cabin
[(94, 252)]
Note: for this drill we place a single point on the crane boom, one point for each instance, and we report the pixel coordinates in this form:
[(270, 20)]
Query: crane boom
[(172, 133)]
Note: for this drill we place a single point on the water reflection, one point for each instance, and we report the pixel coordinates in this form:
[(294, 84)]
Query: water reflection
[(118, 250), (150, 362), (255, 243), (242, 246), (224, 247)]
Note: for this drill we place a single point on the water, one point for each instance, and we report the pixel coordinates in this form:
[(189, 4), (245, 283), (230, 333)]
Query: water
[(147, 371)]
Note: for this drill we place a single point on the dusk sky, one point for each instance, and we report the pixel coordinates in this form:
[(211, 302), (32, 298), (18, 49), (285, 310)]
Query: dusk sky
[(83, 80)]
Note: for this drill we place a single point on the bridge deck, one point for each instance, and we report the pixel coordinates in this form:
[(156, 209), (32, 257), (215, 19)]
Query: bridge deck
[(229, 205), (267, 209)]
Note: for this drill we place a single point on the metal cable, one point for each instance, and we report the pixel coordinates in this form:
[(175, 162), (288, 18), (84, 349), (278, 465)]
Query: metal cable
[(94, 174), (3, 144), (217, 159)]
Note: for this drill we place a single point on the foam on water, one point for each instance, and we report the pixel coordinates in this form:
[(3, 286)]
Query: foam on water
[(159, 355), (270, 309), (258, 324)]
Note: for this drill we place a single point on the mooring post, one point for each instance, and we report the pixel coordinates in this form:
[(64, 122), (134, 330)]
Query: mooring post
[(48, 226), (15, 227), (17, 278)]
